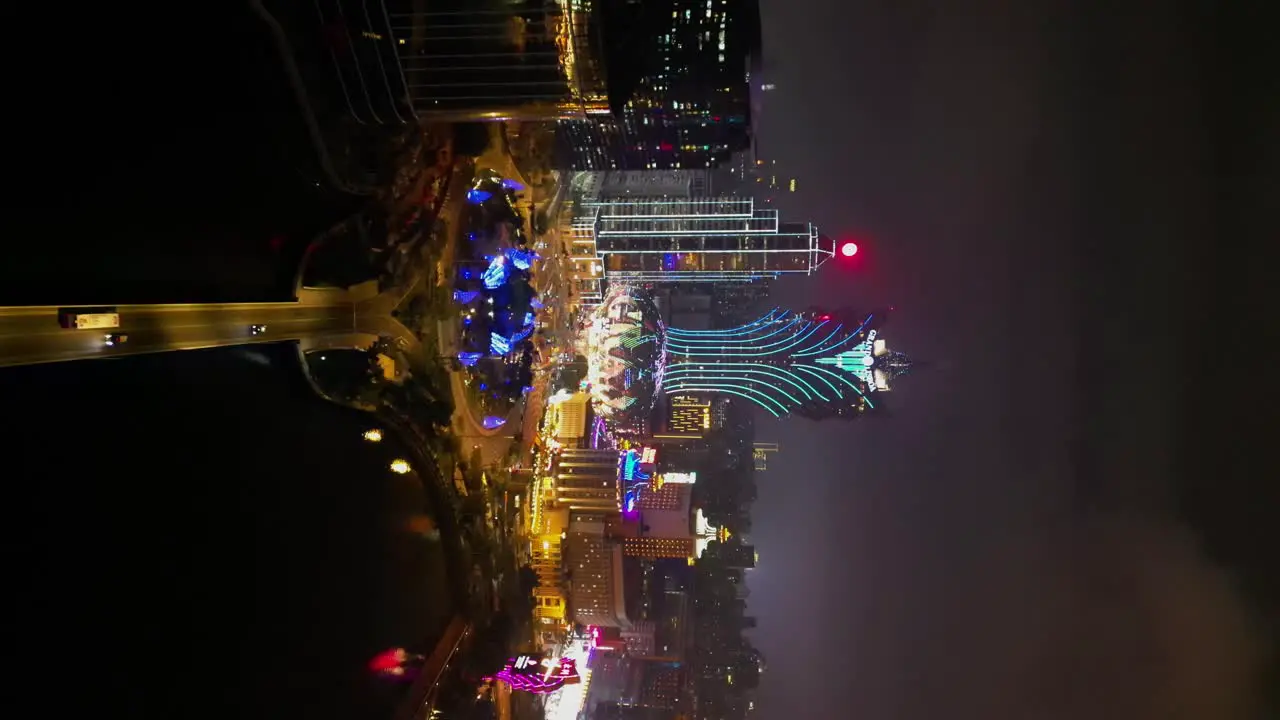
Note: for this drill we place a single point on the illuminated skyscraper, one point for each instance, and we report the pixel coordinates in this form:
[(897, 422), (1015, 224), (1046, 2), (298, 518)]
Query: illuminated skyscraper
[(817, 364), (689, 416), (700, 239), (587, 480), (814, 364)]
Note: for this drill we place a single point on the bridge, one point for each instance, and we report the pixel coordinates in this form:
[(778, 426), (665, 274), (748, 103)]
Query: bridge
[(318, 319), (421, 698)]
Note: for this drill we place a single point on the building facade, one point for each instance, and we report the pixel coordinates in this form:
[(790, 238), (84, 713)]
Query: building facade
[(700, 239), (691, 107), (586, 480), (816, 364)]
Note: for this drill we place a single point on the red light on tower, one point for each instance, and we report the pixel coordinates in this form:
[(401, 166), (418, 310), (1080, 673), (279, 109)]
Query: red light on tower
[(849, 249)]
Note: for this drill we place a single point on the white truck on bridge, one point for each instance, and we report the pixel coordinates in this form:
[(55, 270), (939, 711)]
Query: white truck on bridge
[(89, 320)]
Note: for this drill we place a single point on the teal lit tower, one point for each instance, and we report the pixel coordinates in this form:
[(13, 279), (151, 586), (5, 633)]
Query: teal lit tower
[(814, 364)]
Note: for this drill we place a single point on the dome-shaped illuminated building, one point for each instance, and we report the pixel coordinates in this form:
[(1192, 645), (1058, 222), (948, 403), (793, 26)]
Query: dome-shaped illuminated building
[(626, 353)]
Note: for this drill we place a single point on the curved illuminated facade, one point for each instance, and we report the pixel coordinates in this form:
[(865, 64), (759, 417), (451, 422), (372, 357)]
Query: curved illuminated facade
[(813, 364), (625, 340)]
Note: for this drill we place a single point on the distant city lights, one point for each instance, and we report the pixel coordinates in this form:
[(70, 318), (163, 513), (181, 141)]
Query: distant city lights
[(680, 478)]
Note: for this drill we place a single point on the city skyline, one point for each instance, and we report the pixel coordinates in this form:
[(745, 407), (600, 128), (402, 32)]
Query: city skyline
[(1038, 191)]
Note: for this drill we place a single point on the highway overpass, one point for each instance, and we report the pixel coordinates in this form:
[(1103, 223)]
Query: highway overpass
[(319, 318)]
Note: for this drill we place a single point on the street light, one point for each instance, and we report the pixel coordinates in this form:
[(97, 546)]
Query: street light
[(400, 467), (374, 435)]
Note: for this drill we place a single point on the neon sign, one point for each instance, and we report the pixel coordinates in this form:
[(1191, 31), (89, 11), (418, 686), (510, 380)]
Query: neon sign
[(648, 456), (631, 467), (679, 478), (539, 675)]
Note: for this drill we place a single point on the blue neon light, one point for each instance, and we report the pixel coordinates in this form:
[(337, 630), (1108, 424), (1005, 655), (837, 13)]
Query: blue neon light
[(499, 345), (496, 274), (522, 259), (469, 358), (491, 422), (528, 318), (631, 467), (510, 184), (477, 197), (465, 297)]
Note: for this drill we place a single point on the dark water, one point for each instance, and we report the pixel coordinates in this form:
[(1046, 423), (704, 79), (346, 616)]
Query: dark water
[(155, 157), (194, 534)]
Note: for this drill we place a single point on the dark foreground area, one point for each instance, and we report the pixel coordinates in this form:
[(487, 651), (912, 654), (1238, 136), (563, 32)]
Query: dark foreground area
[(198, 535), (156, 165)]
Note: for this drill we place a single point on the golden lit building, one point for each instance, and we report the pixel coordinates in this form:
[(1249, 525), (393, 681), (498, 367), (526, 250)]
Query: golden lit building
[(587, 480), (547, 561), (688, 416), (595, 574), (760, 453), (655, 548)]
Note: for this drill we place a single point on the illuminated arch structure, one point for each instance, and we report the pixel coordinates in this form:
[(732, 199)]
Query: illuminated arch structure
[(814, 364)]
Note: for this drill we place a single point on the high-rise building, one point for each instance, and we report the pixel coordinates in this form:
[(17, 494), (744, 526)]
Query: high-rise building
[(640, 639), (587, 480), (691, 107), (595, 574), (546, 559), (700, 239), (662, 686), (817, 364), (449, 61), (651, 183), (619, 711), (657, 548), (666, 526), (760, 453)]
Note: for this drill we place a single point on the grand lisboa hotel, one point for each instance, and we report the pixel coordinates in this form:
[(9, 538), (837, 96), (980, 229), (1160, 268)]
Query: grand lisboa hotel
[(815, 364)]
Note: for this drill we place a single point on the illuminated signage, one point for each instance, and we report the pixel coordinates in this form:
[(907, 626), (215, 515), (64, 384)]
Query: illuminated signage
[(648, 456), (538, 674), (680, 478), (631, 467)]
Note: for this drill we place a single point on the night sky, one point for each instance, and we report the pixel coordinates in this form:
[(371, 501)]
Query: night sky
[(1053, 199)]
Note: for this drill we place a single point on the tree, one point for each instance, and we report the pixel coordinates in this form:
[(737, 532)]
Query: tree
[(528, 578)]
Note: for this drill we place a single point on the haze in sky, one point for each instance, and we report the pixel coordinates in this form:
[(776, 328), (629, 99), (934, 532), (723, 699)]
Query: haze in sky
[(1024, 182)]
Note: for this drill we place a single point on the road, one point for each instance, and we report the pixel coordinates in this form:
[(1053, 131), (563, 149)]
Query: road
[(421, 698), (30, 335)]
